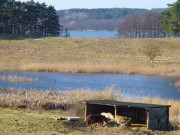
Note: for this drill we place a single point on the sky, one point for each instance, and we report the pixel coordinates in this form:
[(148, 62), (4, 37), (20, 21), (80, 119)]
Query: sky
[(68, 4)]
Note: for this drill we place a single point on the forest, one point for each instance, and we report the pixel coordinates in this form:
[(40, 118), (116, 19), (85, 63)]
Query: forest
[(28, 18), (99, 19)]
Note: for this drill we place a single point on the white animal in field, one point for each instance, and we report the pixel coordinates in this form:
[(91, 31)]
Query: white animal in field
[(108, 115)]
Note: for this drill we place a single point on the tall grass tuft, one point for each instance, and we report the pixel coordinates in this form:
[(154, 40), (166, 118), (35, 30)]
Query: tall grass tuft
[(20, 106)]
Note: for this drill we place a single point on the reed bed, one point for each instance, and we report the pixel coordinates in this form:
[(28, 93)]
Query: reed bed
[(102, 67), (58, 99), (73, 100), (15, 78)]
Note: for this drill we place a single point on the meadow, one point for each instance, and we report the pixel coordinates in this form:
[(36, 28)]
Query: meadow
[(90, 55)]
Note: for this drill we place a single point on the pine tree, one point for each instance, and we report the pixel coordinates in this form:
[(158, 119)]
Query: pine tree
[(171, 19)]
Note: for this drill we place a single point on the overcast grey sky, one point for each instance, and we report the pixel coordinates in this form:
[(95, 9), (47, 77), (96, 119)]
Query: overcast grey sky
[(67, 4)]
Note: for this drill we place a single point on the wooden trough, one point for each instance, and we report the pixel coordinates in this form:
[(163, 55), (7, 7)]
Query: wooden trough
[(153, 115)]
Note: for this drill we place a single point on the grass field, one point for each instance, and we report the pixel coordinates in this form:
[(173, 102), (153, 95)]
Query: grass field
[(90, 55), (43, 109), (25, 122)]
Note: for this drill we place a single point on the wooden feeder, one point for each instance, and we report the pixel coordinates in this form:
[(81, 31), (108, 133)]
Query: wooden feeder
[(153, 115)]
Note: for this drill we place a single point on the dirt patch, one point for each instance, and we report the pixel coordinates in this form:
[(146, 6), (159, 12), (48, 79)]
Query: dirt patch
[(112, 128)]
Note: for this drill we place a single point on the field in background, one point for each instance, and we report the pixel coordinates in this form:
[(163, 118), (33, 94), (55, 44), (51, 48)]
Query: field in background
[(90, 55), (43, 108)]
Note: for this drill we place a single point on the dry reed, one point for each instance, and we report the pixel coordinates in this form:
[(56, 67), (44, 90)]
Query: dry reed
[(15, 78), (93, 67), (59, 99), (177, 84)]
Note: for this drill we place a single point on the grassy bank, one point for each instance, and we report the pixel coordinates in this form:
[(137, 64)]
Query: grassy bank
[(36, 112), (90, 55)]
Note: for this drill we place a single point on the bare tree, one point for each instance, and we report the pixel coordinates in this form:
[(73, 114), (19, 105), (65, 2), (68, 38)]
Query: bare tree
[(66, 32), (142, 26)]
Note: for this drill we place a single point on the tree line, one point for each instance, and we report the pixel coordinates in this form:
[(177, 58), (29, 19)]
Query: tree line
[(32, 18), (153, 25), (103, 13), (99, 19), (93, 24), (142, 26)]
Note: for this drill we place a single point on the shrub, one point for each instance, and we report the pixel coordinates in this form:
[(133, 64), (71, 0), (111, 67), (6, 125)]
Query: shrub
[(21, 106), (47, 106), (152, 51), (4, 105)]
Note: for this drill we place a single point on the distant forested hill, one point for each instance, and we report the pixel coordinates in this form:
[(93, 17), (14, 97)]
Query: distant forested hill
[(99, 19)]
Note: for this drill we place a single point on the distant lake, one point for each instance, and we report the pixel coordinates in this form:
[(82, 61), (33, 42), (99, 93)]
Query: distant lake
[(93, 34)]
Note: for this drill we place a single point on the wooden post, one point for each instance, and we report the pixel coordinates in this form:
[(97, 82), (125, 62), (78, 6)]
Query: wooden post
[(147, 118), (167, 121), (86, 112), (115, 112)]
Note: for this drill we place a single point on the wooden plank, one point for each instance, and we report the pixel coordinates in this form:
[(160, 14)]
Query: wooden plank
[(86, 112), (125, 104)]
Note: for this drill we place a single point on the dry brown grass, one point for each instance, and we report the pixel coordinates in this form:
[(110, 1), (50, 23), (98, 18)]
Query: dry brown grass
[(77, 55), (55, 99), (72, 101)]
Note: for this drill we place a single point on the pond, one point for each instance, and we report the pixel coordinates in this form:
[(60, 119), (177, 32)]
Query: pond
[(130, 85)]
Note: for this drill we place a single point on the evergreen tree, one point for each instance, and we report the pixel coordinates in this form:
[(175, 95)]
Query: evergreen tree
[(171, 19), (28, 17)]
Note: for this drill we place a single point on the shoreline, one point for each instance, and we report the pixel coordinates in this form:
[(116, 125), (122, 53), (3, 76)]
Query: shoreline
[(119, 73), (95, 30), (92, 68)]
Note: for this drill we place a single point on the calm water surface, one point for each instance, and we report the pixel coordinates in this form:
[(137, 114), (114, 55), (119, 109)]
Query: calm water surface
[(92, 34), (131, 85)]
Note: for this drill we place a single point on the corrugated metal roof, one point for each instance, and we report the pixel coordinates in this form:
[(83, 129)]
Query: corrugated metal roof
[(125, 104)]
